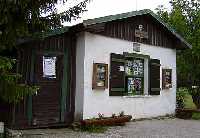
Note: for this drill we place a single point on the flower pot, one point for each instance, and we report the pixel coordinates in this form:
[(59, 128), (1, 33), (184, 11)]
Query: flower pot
[(107, 121)]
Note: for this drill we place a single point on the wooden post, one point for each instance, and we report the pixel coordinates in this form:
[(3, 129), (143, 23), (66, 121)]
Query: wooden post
[(29, 110), (64, 86)]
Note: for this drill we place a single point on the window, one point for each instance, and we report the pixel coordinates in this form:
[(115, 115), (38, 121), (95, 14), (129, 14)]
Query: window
[(134, 74)]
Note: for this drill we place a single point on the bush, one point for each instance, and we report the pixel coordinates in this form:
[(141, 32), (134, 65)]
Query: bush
[(195, 92), (180, 97)]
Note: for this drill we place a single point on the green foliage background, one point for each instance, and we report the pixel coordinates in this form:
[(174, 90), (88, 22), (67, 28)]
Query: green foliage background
[(185, 18), (19, 20)]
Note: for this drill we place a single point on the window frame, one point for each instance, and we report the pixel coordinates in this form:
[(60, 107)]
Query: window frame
[(146, 59), (147, 74), (133, 76)]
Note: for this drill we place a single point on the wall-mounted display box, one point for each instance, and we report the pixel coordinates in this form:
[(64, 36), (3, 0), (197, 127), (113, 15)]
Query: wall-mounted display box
[(166, 78), (100, 76)]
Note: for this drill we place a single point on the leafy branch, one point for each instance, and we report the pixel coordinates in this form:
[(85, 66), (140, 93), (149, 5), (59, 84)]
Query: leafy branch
[(11, 90)]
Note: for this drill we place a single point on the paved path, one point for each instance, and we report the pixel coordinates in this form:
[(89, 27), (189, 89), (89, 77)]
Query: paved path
[(168, 128)]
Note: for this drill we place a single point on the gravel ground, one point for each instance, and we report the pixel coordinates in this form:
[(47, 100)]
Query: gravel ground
[(168, 128)]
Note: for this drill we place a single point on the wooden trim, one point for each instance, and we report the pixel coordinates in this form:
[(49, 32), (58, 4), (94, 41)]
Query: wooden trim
[(30, 106), (156, 64), (155, 89), (72, 71), (155, 77), (118, 89), (118, 60), (65, 86), (136, 55), (49, 53)]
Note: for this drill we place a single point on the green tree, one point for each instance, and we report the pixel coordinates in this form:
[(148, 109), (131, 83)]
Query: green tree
[(20, 19), (185, 18)]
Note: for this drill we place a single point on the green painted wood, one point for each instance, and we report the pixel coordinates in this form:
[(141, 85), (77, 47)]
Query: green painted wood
[(30, 101), (64, 87), (118, 89), (118, 60), (133, 14), (155, 77), (135, 55)]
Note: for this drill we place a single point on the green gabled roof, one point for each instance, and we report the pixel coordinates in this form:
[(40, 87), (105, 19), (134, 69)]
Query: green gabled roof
[(108, 19), (50, 33), (43, 35), (115, 17), (132, 14)]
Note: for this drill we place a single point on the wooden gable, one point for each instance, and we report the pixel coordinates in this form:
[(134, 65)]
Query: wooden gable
[(126, 26), (125, 29)]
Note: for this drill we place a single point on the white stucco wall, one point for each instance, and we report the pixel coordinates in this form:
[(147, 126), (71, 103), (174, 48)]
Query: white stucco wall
[(97, 50), (79, 92)]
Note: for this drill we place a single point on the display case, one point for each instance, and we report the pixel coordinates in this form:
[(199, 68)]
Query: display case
[(166, 78), (100, 76)]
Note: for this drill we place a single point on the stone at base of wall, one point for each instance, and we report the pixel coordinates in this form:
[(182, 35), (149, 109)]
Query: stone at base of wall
[(167, 116)]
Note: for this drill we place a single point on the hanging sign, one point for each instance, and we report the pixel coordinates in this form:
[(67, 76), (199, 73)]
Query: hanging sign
[(141, 33), (49, 67)]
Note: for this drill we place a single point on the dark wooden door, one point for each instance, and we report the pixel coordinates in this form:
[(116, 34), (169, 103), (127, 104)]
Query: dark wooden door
[(46, 103)]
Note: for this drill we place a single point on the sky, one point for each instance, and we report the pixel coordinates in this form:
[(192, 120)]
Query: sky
[(100, 8)]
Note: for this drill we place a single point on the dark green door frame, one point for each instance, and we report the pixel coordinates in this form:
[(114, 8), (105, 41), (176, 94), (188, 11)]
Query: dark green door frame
[(64, 88)]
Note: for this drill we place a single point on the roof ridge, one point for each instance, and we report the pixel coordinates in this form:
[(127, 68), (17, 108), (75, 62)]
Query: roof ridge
[(116, 16)]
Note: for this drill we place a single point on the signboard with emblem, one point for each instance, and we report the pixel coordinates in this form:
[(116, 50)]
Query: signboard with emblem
[(140, 33)]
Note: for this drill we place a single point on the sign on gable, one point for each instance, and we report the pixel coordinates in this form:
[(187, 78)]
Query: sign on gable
[(140, 33)]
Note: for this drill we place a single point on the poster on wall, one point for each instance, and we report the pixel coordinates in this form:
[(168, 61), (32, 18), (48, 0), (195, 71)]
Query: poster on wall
[(134, 85), (167, 78), (49, 67), (135, 67)]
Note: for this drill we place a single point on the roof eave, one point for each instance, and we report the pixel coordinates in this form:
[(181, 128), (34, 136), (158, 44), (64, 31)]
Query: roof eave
[(187, 45), (115, 17)]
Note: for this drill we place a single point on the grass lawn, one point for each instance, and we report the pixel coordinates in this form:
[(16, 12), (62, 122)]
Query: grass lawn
[(188, 101), (189, 104), (196, 116)]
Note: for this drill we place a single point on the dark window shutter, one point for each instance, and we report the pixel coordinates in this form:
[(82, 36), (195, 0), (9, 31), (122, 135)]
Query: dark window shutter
[(117, 79), (154, 77)]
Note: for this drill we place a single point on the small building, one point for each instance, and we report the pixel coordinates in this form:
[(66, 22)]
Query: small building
[(124, 62)]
